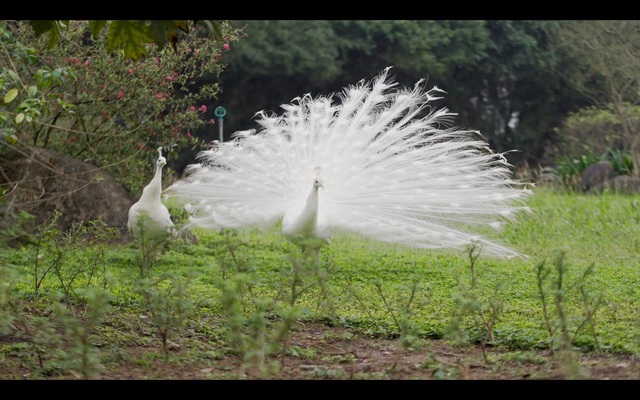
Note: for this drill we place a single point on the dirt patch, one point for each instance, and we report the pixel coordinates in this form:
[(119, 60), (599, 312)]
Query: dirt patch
[(320, 352)]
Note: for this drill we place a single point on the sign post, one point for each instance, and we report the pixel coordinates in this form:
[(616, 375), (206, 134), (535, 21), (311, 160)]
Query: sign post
[(220, 112)]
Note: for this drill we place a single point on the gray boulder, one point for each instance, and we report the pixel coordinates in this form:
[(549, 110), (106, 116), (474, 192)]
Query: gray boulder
[(41, 181), (623, 184), (597, 174)]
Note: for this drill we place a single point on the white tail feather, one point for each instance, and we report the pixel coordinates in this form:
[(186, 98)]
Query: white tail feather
[(391, 166)]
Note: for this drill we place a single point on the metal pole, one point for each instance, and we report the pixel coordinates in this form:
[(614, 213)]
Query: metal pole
[(220, 112)]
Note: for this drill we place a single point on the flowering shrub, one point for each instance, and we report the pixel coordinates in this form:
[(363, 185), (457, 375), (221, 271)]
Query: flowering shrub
[(102, 108)]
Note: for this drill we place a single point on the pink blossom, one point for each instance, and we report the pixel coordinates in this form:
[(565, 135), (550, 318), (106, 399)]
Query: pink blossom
[(203, 108), (196, 51), (159, 96), (157, 60), (189, 135), (225, 46), (169, 78), (192, 108), (212, 121), (131, 70), (120, 95), (153, 133)]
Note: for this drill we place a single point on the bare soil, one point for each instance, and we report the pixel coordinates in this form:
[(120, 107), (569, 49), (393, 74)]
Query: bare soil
[(320, 352)]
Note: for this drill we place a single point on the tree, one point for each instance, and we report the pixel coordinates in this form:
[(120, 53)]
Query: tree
[(131, 36), (100, 106), (500, 76), (608, 55)]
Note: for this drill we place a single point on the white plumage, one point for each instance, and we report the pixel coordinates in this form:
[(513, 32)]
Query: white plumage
[(149, 218), (380, 162)]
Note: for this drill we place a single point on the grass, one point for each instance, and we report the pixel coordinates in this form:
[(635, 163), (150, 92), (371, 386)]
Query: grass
[(235, 291)]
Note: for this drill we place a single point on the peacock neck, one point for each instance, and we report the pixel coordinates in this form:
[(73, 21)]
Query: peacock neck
[(311, 207), (153, 189)]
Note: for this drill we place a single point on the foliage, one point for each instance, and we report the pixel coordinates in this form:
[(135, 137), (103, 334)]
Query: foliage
[(567, 171), (483, 312), (213, 300), (167, 303), (594, 130), (52, 255), (130, 36), (553, 287), (13, 226), (79, 327), (500, 76), (607, 57), (100, 107)]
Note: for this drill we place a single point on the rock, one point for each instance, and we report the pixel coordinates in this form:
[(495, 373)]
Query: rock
[(597, 174), (41, 181), (623, 184)]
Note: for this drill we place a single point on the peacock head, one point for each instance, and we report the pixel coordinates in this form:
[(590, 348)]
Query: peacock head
[(318, 182), (161, 160)]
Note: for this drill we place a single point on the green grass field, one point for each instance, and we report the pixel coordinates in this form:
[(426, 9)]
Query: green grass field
[(583, 256)]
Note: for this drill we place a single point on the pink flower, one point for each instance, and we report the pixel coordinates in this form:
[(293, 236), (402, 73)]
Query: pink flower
[(203, 108), (159, 96), (225, 46), (120, 95), (157, 60), (189, 135), (192, 108), (212, 121), (196, 51), (153, 133), (169, 78), (131, 70)]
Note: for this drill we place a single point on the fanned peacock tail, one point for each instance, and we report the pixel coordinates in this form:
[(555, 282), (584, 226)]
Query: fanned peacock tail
[(392, 166)]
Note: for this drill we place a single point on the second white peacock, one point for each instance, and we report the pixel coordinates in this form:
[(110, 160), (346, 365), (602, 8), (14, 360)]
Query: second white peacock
[(380, 162), (149, 218)]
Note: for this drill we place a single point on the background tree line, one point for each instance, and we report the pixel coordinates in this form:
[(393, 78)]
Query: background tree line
[(526, 85), (501, 77), (547, 89)]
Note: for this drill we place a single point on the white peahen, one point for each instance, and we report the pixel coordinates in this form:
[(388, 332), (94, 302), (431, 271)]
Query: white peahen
[(149, 218), (380, 162)]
